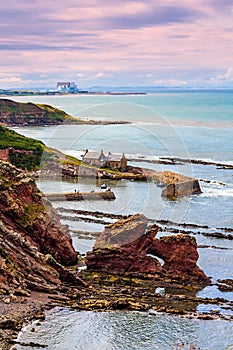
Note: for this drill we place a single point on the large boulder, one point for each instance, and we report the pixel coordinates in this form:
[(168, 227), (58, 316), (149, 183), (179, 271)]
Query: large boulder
[(130, 246), (122, 247), (180, 256)]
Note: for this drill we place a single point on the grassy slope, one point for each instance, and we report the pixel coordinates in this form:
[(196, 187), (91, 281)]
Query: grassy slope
[(10, 138), (57, 114), (9, 107)]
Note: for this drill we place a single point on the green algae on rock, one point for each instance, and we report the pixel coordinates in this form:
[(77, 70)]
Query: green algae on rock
[(130, 246)]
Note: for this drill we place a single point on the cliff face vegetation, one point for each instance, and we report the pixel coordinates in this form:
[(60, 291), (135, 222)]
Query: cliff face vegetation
[(30, 154), (34, 245), (22, 114), (21, 151)]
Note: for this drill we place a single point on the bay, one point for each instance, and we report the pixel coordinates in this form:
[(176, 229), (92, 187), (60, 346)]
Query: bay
[(196, 125)]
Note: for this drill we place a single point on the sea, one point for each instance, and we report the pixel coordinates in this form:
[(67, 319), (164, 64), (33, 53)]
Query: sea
[(196, 125)]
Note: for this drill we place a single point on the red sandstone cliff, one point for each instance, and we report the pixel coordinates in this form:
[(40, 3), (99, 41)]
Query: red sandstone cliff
[(34, 245), (17, 113)]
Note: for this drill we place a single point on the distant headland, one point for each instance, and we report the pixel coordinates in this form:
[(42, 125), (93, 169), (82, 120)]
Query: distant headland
[(30, 114)]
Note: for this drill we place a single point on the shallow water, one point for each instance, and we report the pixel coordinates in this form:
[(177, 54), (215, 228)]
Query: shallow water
[(69, 330)]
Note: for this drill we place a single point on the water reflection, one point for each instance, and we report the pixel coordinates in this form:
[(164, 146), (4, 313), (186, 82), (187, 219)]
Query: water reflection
[(64, 329)]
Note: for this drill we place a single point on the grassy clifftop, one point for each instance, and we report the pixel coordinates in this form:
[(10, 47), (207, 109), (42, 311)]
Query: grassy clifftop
[(10, 138), (27, 153), (22, 151), (18, 113)]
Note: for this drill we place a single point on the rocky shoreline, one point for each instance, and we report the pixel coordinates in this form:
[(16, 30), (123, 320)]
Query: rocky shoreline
[(39, 268), (17, 312), (43, 123), (180, 161), (165, 225), (107, 292)]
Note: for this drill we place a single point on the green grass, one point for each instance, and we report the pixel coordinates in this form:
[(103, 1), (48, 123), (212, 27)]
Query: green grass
[(31, 212), (10, 138), (38, 152), (30, 110), (57, 114)]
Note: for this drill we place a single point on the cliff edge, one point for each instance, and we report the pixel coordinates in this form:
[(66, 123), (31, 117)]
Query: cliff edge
[(25, 114)]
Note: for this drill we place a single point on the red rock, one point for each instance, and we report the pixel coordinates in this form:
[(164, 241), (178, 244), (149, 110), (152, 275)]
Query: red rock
[(123, 232), (180, 256), (34, 245), (128, 246), (122, 247), (23, 209)]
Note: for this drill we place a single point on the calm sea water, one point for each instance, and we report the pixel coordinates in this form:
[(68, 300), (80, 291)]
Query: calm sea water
[(197, 125), (70, 330)]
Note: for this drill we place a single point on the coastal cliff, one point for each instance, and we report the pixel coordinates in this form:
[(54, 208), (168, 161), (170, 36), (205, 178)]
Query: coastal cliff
[(34, 246), (30, 154), (30, 114), (39, 266)]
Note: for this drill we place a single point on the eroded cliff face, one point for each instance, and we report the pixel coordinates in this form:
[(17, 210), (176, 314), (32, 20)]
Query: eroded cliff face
[(14, 113), (129, 246), (34, 245)]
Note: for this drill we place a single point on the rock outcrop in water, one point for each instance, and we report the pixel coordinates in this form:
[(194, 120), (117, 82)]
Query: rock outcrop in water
[(123, 246), (34, 246), (129, 247), (180, 256)]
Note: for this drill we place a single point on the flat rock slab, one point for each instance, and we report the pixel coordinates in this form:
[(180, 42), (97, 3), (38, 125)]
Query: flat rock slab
[(81, 196)]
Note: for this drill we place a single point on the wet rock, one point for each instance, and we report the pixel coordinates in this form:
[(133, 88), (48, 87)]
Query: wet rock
[(225, 285), (122, 247), (180, 256), (128, 246), (31, 344)]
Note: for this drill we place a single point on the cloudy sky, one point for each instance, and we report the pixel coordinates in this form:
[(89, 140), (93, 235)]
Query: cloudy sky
[(116, 42)]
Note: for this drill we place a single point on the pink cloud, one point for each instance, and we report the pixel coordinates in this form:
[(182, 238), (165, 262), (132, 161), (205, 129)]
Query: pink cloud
[(228, 75), (119, 39)]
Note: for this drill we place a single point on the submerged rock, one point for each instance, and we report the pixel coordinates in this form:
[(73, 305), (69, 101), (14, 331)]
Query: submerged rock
[(129, 246)]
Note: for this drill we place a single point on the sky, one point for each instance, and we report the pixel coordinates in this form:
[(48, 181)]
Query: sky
[(116, 43)]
